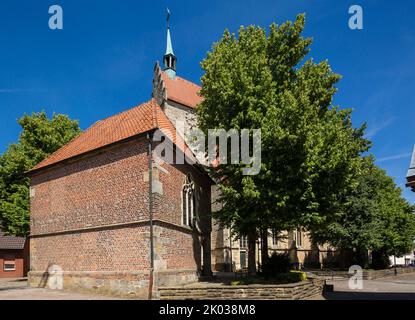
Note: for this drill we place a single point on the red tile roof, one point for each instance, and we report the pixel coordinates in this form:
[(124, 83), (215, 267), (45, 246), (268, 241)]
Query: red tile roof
[(182, 91), (137, 120)]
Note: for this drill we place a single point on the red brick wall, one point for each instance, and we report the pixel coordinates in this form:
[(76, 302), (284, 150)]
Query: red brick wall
[(180, 250), (184, 252), (118, 249), (109, 189)]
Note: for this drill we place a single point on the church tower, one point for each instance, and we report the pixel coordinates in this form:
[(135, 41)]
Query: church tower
[(169, 58)]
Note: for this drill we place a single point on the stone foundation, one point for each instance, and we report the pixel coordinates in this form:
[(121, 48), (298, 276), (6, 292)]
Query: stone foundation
[(119, 284), (292, 291), (376, 274)]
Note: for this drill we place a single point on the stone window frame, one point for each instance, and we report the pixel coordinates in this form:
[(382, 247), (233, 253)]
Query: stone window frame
[(188, 197), (243, 242), (274, 237)]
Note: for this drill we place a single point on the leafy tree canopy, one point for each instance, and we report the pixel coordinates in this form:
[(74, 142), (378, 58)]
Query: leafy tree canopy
[(40, 136), (375, 216), (310, 150)]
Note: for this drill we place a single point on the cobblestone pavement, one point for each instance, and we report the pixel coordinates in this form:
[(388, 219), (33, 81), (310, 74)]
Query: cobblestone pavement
[(17, 289), (401, 287)]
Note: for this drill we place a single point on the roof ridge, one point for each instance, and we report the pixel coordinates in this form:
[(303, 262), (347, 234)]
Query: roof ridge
[(121, 112)]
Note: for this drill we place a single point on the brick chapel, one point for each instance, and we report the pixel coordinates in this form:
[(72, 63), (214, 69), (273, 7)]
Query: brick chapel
[(96, 216)]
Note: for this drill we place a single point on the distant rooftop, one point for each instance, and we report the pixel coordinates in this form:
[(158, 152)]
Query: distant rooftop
[(11, 242)]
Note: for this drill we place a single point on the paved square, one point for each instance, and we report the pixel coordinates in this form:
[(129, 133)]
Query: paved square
[(17, 289), (401, 287)]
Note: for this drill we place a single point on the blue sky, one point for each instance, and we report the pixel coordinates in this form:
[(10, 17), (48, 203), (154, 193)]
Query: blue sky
[(102, 61)]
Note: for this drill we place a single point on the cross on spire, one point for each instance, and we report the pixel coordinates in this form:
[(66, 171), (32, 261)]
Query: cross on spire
[(169, 58)]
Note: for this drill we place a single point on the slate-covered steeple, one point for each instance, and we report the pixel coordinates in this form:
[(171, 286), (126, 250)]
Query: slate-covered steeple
[(169, 58)]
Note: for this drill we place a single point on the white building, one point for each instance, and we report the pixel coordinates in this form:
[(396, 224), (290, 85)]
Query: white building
[(403, 261)]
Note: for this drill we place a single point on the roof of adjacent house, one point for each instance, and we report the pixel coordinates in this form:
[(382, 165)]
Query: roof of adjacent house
[(11, 242), (182, 91), (411, 171), (119, 127)]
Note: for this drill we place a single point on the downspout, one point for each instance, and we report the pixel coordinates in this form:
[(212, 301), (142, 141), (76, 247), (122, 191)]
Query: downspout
[(150, 210)]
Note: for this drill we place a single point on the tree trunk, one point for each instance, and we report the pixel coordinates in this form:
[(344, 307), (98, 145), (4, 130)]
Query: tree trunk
[(264, 247), (251, 254), (380, 260)]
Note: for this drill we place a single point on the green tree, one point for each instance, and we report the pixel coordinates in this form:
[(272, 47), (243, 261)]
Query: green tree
[(398, 222), (375, 217), (40, 136), (310, 151)]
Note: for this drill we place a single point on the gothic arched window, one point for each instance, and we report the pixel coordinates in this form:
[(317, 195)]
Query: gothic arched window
[(188, 201)]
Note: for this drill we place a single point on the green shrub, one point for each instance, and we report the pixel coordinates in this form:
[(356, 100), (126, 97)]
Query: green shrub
[(276, 264), (290, 277), (302, 276)]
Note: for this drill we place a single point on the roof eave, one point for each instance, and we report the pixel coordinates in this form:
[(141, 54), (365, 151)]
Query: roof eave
[(33, 172), (181, 103)]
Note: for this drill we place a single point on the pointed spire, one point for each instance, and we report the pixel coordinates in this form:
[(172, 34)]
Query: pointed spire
[(169, 58), (169, 47)]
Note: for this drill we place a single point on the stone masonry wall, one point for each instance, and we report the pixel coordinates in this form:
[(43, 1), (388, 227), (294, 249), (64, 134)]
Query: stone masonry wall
[(294, 291)]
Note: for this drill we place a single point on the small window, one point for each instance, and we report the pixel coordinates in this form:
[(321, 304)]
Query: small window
[(298, 238), (274, 238), (9, 265), (243, 242)]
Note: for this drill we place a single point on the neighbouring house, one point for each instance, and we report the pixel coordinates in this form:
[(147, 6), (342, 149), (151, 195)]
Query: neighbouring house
[(407, 259), (232, 254), (403, 261), (14, 256)]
